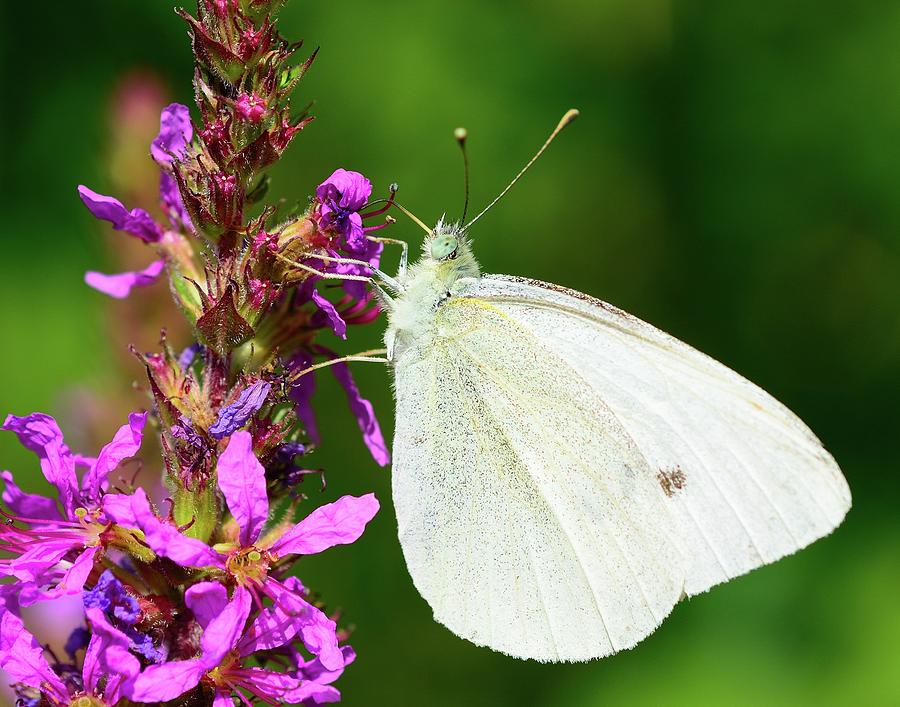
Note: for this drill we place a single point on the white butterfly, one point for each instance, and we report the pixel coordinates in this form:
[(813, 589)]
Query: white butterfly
[(565, 473)]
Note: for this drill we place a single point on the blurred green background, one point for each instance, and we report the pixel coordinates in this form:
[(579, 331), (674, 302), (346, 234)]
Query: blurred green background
[(734, 179)]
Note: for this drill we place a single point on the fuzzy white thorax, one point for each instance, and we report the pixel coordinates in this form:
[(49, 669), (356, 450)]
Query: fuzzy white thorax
[(428, 283)]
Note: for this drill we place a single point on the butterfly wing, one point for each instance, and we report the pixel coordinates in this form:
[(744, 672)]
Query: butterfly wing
[(529, 519), (747, 479)]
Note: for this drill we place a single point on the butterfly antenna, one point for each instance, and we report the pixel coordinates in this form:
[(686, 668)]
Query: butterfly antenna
[(570, 115), (461, 134), (412, 216)]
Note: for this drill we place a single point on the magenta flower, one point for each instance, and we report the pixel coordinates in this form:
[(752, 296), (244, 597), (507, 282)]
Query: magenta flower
[(246, 561), (106, 677), (317, 678), (250, 107), (136, 222), (225, 644), (339, 201), (61, 539), (341, 196), (232, 417), (175, 134)]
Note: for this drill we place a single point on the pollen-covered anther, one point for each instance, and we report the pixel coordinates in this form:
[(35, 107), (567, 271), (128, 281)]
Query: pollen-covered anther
[(218, 676), (85, 701), (249, 565)]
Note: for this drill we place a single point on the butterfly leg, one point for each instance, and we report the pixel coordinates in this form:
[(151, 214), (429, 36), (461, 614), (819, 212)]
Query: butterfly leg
[(404, 253), (386, 279), (372, 356), (384, 297)]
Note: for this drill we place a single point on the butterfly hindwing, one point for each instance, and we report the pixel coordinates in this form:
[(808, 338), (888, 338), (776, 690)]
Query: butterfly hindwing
[(528, 517)]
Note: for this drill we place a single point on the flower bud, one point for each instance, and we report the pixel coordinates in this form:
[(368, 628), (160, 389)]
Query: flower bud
[(250, 107)]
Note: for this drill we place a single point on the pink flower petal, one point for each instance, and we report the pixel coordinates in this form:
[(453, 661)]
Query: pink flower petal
[(223, 632), (270, 683), (161, 683), (338, 325), (121, 284), (223, 699), (27, 505), (338, 523), (301, 395), (276, 626), (365, 415), (125, 444), (175, 132), (206, 600), (40, 433), (136, 222), (242, 481)]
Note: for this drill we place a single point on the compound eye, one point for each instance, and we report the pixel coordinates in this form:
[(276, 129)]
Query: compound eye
[(445, 248)]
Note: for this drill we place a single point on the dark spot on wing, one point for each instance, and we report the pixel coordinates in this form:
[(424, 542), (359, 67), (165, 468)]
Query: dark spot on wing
[(672, 480)]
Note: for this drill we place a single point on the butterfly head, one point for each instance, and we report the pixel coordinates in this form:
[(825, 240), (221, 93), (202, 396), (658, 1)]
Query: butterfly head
[(448, 247), (445, 242)]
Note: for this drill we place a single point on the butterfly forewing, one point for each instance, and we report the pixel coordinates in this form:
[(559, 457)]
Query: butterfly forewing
[(747, 480)]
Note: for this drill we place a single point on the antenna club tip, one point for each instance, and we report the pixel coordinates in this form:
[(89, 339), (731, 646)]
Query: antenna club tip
[(570, 115), (460, 134)]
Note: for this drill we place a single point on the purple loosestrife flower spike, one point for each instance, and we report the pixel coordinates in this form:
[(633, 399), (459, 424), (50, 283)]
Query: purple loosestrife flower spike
[(187, 604), (236, 415)]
